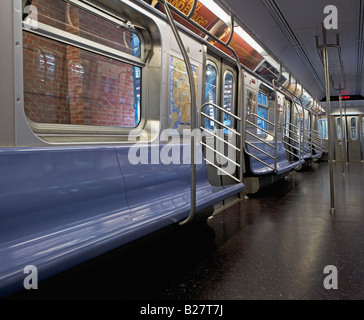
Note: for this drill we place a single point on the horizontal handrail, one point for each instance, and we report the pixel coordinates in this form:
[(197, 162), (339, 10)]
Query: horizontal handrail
[(221, 109), (221, 169), (316, 145), (290, 134), (291, 145), (220, 154), (293, 125), (259, 117), (220, 123), (291, 131), (289, 151), (317, 141), (261, 161), (260, 139), (226, 142), (312, 141), (274, 146), (219, 138), (315, 138), (257, 127), (260, 150)]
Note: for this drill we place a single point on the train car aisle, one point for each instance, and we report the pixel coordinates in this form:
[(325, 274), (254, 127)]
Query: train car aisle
[(274, 245), (277, 244)]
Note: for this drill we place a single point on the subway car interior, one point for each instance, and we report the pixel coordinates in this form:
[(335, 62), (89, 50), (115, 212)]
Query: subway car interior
[(202, 150)]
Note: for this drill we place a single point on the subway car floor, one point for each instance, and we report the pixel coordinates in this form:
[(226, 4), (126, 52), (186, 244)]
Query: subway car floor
[(271, 246)]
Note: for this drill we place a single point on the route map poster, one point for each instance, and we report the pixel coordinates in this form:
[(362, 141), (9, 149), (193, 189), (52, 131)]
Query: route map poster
[(179, 94)]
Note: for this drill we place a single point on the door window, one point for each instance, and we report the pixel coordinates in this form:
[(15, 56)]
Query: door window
[(339, 132), (210, 95), (228, 98), (262, 112), (353, 128)]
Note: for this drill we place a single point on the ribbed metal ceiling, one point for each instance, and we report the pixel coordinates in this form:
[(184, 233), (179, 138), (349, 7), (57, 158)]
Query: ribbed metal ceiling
[(289, 33), (290, 30)]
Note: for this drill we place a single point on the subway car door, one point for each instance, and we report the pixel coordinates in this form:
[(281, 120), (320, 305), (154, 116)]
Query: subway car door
[(229, 89), (211, 95), (354, 142), (297, 128), (340, 146), (220, 89)]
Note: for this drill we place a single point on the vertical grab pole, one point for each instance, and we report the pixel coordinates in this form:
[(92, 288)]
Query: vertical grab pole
[(300, 122), (276, 117), (193, 109), (322, 133), (241, 97), (346, 139), (327, 82), (242, 111), (303, 120)]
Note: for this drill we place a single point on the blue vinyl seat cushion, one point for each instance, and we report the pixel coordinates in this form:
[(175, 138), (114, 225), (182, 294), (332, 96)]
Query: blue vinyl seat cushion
[(258, 168)]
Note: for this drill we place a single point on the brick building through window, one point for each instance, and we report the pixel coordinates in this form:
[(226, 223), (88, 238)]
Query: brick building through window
[(67, 84)]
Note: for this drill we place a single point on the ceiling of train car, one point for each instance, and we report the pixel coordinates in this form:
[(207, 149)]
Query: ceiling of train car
[(290, 29)]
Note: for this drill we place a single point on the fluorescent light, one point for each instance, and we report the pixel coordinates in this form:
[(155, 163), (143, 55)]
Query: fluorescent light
[(225, 17), (248, 39), (217, 10)]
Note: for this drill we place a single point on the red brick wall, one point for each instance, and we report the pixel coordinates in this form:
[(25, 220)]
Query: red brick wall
[(84, 88)]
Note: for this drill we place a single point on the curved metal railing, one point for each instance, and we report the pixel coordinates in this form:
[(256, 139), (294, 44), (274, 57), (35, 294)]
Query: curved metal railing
[(223, 138), (274, 147)]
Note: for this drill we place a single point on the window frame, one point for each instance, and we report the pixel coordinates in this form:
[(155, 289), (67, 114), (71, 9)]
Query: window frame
[(67, 38)]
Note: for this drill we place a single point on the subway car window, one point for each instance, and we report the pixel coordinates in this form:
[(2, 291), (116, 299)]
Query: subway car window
[(67, 84), (67, 17), (210, 95), (322, 127)]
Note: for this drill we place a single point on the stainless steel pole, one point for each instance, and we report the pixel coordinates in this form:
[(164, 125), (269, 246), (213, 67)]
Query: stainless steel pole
[(327, 83), (193, 109), (346, 139)]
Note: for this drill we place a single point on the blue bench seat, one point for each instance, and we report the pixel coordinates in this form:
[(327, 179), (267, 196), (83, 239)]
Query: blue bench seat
[(258, 168), (60, 207), (306, 152)]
